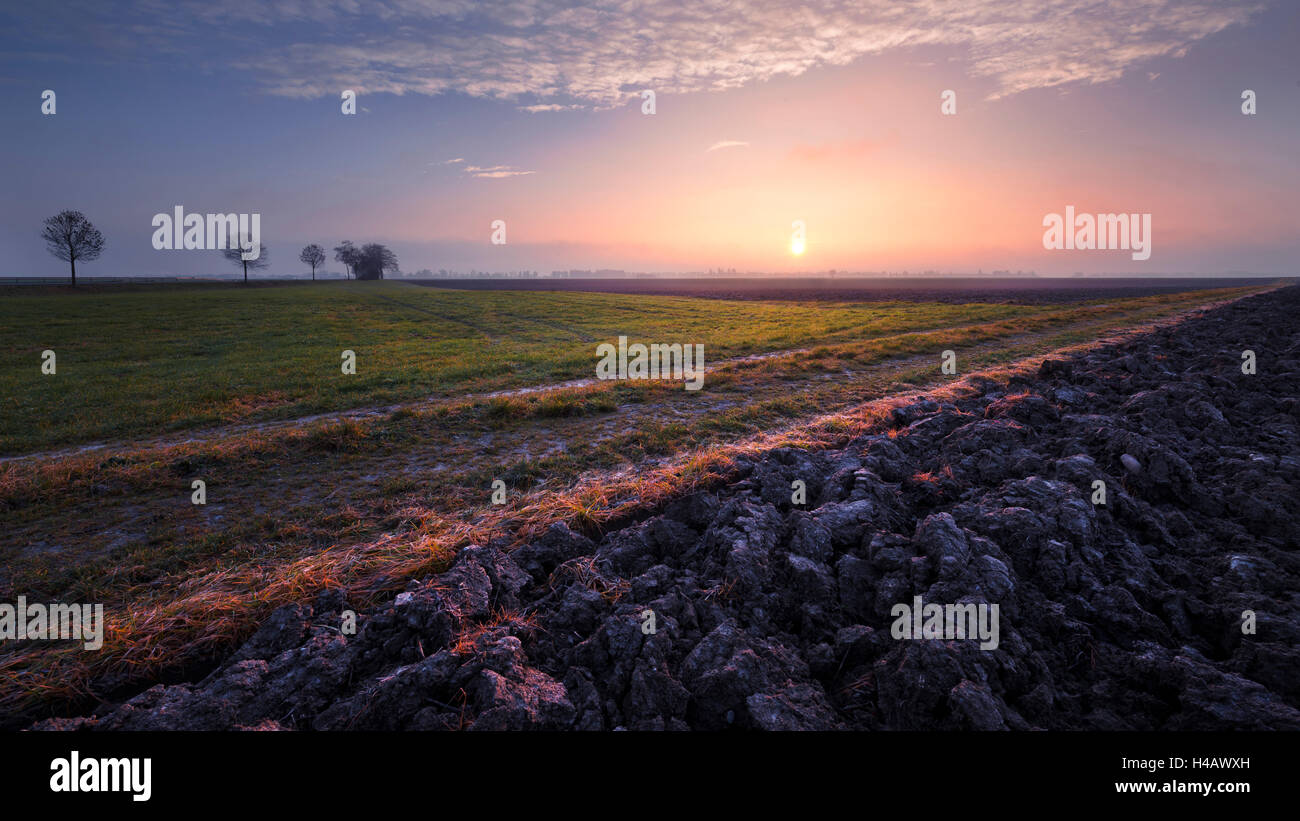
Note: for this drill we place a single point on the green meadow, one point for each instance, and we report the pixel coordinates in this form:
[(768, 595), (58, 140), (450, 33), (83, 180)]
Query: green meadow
[(140, 363)]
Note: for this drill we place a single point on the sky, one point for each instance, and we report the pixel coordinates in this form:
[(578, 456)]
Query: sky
[(766, 113)]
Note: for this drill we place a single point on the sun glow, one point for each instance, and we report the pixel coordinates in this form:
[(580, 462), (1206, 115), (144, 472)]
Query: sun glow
[(796, 246)]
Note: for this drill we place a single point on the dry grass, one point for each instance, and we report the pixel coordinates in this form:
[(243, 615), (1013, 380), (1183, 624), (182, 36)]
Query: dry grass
[(501, 622), (583, 570)]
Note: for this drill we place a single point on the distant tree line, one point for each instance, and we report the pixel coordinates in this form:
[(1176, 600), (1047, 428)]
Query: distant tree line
[(69, 236)]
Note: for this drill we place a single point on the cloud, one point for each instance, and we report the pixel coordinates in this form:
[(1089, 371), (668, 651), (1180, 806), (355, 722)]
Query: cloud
[(548, 55), (725, 144), (489, 172), (533, 109)]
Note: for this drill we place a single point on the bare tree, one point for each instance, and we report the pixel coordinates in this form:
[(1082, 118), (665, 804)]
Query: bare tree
[(347, 254), (313, 255), (236, 255), (373, 260), (69, 236)]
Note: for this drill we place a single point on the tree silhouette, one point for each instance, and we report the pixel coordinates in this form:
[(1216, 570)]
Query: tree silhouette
[(373, 259), (69, 236), (236, 255), (347, 254), (313, 255)]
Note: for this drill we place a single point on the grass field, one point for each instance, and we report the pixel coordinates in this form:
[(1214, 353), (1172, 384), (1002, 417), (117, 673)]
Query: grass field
[(144, 363), (203, 382)]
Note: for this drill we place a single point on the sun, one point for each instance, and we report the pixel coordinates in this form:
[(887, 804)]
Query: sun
[(797, 246)]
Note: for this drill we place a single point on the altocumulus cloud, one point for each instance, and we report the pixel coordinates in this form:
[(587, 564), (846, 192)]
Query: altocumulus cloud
[(550, 56)]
